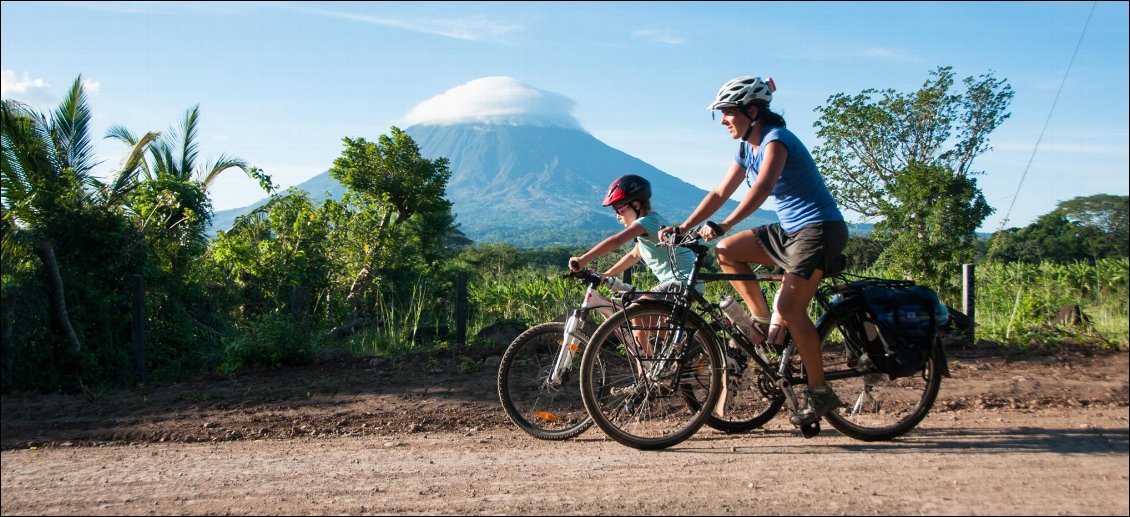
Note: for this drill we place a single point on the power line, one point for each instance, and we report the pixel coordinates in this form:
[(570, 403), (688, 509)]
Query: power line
[(1004, 221), (1052, 110)]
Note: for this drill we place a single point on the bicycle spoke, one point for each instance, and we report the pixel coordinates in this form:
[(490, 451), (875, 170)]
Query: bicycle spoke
[(876, 407)]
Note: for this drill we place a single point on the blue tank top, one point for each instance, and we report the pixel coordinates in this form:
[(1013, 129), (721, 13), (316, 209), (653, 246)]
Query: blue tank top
[(800, 193)]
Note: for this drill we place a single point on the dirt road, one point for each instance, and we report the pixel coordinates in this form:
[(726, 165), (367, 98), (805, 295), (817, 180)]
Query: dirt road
[(1046, 436)]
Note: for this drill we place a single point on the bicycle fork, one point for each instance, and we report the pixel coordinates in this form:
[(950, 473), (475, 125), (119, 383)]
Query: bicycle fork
[(570, 345), (665, 357), (570, 342)]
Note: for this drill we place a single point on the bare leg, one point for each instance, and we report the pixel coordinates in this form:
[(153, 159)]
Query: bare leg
[(735, 253), (792, 306)]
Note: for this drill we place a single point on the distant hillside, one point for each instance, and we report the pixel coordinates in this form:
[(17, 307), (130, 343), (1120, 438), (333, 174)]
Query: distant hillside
[(530, 186)]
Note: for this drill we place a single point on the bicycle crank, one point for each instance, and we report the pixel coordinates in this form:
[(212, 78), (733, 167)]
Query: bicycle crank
[(810, 430)]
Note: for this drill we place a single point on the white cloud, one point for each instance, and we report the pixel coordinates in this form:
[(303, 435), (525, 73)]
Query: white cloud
[(471, 28), (886, 54), (91, 86), (495, 100), (658, 36), (24, 88)]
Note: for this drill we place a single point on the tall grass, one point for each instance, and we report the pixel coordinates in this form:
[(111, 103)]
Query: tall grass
[(1015, 304), (400, 322)]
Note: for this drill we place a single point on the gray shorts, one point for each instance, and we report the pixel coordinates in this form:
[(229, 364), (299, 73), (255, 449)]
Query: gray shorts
[(802, 252)]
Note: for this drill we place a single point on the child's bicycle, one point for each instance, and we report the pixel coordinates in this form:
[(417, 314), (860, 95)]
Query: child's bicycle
[(655, 391), (535, 378)]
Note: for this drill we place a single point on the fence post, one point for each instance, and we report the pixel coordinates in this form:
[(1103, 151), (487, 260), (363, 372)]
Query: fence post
[(969, 297), (137, 326), (461, 308)]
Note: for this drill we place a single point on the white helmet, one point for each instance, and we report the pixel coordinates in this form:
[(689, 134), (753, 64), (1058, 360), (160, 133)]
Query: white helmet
[(740, 91)]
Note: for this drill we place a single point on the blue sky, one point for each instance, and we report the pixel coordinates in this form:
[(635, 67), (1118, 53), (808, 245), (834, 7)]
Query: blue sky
[(280, 84)]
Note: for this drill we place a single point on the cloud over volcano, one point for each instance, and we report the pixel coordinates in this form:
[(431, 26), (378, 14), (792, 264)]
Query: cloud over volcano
[(495, 100)]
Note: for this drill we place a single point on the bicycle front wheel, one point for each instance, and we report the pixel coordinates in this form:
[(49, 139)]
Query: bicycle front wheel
[(648, 382), (875, 407), (543, 408)]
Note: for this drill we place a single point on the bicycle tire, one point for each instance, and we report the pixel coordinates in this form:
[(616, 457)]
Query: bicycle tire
[(875, 407), (542, 411), (657, 412), (752, 400)]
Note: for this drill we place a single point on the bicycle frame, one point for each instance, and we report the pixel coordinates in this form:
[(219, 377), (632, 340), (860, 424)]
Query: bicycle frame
[(778, 373), (570, 343)]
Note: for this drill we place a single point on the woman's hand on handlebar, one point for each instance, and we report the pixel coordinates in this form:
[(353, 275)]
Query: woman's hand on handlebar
[(711, 230)]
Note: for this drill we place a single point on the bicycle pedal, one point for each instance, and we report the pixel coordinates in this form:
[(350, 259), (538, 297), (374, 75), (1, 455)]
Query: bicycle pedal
[(810, 430)]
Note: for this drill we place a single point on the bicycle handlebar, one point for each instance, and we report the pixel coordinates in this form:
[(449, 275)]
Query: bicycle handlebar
[(592, 277), (690, 240)]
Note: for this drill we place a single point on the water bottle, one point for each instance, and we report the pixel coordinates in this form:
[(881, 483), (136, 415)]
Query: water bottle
[(737, 315), (775, 335)]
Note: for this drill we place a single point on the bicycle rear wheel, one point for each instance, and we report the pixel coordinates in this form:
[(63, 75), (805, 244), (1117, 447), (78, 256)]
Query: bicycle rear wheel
[(751, 397), (543, 409), (646, 382), (875, 407)]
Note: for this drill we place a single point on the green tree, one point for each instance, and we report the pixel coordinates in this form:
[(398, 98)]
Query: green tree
[(879, 147), (394, 196), (1081, 229), (174, 162), (1052, 238), (862, 252), (47, 161), (56, 209), (934, 231), (170, 210), (1109, 214)]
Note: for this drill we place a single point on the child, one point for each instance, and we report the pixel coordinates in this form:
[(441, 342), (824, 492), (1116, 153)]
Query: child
[(630, 197)]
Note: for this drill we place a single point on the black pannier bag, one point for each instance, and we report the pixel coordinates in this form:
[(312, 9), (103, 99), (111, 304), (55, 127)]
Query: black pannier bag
[(895, 322)]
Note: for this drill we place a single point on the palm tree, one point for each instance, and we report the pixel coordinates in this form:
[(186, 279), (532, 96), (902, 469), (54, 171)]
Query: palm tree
[(46, 164), (175, 157)]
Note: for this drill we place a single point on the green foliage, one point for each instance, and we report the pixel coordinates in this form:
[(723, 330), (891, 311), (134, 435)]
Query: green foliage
[(52, 210), (908, 160), (270, 340), (277, 257), (1083, 228), (862, 252), (1108, 213), (1017, 301), (934, 230)]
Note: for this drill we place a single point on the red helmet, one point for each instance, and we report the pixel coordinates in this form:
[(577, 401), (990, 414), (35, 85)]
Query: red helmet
[(626, 189)]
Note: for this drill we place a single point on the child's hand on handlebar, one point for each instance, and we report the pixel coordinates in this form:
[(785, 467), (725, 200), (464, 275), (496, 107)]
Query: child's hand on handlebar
[(670, 234), (575, 264)]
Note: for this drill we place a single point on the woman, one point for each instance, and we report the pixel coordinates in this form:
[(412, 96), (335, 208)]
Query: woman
[(811, 232)]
